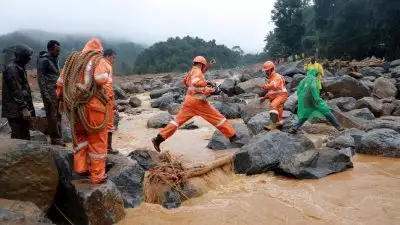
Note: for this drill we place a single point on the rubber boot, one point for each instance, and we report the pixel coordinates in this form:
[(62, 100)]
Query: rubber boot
[(157, 142), (274, 120), (110, 150)]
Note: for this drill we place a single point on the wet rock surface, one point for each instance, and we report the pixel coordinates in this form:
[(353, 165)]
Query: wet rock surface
[(384, 88), (229, 110), (32, 163), (220, 142), (346, 86), (344, 103), (20, 212), (147, 159), (380, 142), (135, 102), (253, 108), (160, 120)]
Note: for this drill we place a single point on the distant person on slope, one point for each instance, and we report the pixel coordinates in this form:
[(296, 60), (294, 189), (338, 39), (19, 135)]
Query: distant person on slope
[(17, 105), (48, 71), (196, 104), (277, 94), (310, 103), (110, 56), (314, 65), (81, 87)]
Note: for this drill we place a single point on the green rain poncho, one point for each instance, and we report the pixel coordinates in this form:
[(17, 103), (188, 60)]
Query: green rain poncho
[(310, 104)]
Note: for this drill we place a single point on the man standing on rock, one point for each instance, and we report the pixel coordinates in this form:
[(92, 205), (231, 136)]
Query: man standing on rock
[(48, 71), (314, 65), (195, 104), (110, 56), (81, 87), (277, 93), (16, 95)]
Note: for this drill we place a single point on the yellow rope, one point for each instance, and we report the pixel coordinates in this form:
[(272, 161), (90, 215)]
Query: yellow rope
[(76, 97)]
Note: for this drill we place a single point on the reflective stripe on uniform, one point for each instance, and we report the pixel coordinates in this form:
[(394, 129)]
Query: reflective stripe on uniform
[(195, 80), (174, 123), (101, 76), (197, 89), (60, 80), (97, 156), (88, 78), (221, 122), (277, 92), (81, 145)]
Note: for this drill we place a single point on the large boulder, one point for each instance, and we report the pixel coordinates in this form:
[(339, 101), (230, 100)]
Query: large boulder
[(147, 159), (164, 101), (395, 63), (160, 120), (383, 88), (132, 88), (344, 103), (250, 86), (375, 105), (135, 102), (372, 71), (290, 69), (256, 123), (158, 93), (228, 87), (220, 142), (119, 93), (296, 79), (265, 151), (346, 86), (316, 164), (156, 84), (86, 203), (381, 124), (291, 103), (128, 177), (230, 110), (346, 139), (253, 108), (363, 113), (20, 212), (174, 108), (381, 142), (27, 172), (346, 120)]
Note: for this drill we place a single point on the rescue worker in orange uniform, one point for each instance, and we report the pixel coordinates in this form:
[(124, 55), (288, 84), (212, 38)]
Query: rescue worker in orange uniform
[(90, 147), (110, 56), (277, 94), (195, 104)]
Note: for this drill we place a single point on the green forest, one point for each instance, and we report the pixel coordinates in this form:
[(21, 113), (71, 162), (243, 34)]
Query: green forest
[(335, 28), (176, 54)]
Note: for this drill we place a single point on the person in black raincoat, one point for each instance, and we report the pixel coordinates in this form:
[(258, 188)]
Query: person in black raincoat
[(16, 94), (48, 71)]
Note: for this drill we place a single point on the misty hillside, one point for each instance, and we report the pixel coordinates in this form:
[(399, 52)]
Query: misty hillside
[(37, 40)]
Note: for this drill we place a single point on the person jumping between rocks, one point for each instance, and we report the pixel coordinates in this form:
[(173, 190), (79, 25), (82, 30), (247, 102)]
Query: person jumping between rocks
[(195, 104), (310, 104), (81, 88), (277, 94)]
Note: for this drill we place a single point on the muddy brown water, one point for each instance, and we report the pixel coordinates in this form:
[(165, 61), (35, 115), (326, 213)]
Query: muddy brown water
[(367, 194)]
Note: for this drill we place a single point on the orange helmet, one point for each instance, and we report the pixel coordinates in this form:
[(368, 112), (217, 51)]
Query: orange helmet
[(200, 59), (268, 65)]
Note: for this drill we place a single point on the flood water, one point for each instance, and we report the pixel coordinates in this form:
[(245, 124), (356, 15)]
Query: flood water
[(367, 194)]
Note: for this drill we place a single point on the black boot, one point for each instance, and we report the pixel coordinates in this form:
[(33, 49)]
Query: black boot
[(110, 150), (157, 141)]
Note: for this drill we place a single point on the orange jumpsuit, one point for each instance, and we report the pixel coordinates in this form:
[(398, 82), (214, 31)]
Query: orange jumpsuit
[(91, 148), (110, 94), (277, 94), (195, 104)]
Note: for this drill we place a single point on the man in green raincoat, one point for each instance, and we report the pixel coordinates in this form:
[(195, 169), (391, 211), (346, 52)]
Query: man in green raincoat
[(310, 104)]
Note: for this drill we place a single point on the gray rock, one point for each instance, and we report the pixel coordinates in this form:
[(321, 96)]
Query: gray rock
[(230, 110), (291, 103), (160, 120), (381, 124), (250, 86), (290, 69), (256, 123), (29, 172), (156, 84), (344, 103), (135, 102), (370, 85), (372, 71), (245, 77), (253, 108), (172, 199), (127, 176), (119, 93), (346, 139), (395, 63), (132, 88), (190, 126), (343, 71), (388, 109), (164, 101), (220, 142), (147, 159), (369, 78), (21, 212), (228, 87), (381, 142), (384, 88), (134, 111), (363, 113), (265, 151), (316, 164), (346, 86), (395, 72), (296, 79), (375, 105), (328, 73), (158, 93), (174, 108)]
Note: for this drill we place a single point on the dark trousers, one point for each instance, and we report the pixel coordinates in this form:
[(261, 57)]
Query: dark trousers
[(53, 120), (331, 119), (19, 128)]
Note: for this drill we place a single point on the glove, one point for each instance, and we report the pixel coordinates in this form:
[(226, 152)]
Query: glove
[(26, 114)]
